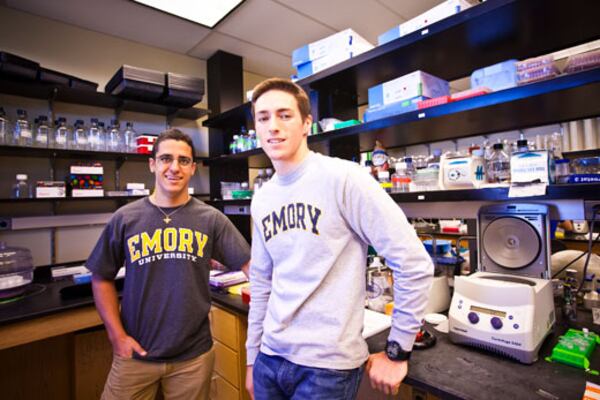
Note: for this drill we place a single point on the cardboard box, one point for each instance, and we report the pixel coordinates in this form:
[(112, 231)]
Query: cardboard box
[(410, 86), (346, 40), (437, 13), (50, 189)]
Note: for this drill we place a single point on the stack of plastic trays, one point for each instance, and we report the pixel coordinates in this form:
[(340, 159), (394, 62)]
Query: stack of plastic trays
[(536, 69), (582, 62)]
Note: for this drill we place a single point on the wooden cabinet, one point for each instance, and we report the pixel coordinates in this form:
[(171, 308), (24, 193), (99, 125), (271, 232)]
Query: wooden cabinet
[(229, 337)]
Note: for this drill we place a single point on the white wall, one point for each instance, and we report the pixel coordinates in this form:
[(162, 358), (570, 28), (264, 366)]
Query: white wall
[(96, 57)]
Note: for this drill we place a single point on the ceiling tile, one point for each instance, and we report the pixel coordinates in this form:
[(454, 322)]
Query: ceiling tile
[(124, 19), (256, 59), (369, 18), (410, 8), (273, 26)]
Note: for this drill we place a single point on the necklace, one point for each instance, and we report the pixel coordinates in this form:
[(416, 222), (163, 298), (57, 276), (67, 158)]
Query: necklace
[(167, 217)]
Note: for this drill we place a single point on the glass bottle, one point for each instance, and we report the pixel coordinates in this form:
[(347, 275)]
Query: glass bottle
[(260, 179), (498, 168), (114, 140), (253, 139), (21, 189), (103, 137), (61, 134), (22, 135), (400, 178), (522, 144), (433, 161), (94, 136), (130, 138), (233, 147), (80, 140), (42, 132), (5, 136), (384, 180)]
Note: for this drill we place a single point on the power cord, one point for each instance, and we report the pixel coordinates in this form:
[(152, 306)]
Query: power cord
[(589, 252), (591, 243)]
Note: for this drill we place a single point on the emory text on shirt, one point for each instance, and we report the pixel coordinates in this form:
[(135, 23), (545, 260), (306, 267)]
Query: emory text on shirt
[(189, 244), (291, 216)]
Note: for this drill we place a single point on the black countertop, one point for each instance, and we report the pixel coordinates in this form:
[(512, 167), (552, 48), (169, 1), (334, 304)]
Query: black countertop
[(446, 370)]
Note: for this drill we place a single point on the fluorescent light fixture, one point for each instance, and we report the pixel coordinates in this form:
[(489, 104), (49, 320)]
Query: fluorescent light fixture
[(204, 12)]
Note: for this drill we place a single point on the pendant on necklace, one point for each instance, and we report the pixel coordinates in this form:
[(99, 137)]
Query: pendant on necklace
[(167, 219)]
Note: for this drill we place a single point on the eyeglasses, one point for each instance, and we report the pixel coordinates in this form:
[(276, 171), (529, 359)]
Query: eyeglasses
[(167, 159)]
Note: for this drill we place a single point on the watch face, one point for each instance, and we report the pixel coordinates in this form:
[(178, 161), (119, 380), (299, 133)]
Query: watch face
[(395, 352), (392, 349)]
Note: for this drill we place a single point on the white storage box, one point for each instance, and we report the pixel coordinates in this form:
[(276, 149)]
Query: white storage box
[(346, 40), (437, 13), (410, 86)]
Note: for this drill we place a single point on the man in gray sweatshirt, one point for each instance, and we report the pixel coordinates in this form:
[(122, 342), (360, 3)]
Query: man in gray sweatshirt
[(313, 222)]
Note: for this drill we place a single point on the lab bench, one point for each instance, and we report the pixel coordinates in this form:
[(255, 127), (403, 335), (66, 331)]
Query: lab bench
[(57, 346)]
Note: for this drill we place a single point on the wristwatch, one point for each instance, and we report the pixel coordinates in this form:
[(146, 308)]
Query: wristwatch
[(395, 352)]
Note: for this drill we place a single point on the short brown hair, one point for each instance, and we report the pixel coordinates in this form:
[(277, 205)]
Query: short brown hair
[(172, 134), (284, 85)]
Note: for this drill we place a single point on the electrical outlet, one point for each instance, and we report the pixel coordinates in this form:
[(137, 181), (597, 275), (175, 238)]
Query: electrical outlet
[(5, 224), (590, 206)]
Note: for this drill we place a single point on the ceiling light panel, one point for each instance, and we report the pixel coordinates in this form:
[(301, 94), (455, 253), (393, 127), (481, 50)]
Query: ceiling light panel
[(204, 12)]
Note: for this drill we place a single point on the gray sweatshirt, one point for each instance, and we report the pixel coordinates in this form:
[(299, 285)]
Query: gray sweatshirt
[(309, 246)]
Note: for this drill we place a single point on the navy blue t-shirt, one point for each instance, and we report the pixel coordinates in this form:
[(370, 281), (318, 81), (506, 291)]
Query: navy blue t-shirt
[(166, 296)]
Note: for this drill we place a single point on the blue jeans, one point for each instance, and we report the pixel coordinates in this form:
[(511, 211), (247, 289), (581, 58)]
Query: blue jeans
[(276, 378)]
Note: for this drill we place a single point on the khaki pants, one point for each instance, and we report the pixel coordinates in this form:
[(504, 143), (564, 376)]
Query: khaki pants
[(133, 379)]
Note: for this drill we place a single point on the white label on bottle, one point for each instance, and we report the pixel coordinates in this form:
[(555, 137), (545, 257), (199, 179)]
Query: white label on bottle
[(42, 138), (81, 140), (61, 140), (26, 133)]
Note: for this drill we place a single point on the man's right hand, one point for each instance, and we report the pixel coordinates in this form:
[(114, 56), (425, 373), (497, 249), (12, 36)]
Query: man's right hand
[(249, 383), (124, 346)]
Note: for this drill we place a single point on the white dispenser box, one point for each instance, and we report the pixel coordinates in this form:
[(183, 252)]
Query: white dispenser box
[(531, 166), (437, 13), (466, 172), (345, 41)]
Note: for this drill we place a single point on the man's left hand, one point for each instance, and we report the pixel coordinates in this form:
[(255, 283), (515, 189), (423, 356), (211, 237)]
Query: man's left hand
[(385, 374)]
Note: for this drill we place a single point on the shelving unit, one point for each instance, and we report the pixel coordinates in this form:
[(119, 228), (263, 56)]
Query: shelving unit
[(233, 118), (564, 98), (57, 93), (452, 48), (76, 211), (202, 196), (20, 151)]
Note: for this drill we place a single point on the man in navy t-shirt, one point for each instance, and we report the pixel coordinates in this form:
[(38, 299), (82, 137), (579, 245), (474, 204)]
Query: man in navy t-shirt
[(166, 242)]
